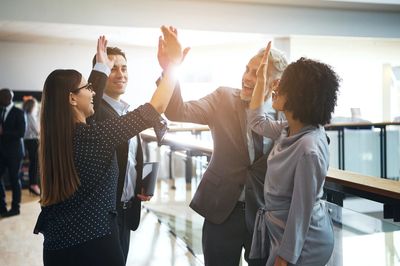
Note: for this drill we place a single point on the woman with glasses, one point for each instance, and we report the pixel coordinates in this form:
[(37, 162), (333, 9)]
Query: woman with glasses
[(295, 222), (77, 160)]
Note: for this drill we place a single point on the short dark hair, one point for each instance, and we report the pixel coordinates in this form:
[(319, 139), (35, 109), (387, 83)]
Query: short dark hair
[(6, 96), (311, 89), (111, 51)]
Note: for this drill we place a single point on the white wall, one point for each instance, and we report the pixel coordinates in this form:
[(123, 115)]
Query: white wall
[(25, 66), (359, 62)]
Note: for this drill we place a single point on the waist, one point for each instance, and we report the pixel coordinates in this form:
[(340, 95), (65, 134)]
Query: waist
[(126, 204), (240, 204)]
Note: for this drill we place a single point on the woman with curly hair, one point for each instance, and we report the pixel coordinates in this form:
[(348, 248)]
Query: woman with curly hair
[(295, 226)]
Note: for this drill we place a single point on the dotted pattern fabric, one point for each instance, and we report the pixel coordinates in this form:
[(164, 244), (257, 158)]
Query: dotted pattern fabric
[(87, 214)]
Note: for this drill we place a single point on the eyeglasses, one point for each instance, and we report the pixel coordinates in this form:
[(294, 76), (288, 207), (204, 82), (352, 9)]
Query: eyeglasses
[(88, 86)]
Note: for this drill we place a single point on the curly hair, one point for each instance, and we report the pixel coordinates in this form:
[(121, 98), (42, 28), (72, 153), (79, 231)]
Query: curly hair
[(311, 89)]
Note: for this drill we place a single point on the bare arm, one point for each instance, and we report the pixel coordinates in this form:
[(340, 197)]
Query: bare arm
[(173, 51)]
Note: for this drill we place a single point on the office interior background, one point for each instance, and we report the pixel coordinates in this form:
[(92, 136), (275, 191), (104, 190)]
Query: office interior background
[(359, 38)]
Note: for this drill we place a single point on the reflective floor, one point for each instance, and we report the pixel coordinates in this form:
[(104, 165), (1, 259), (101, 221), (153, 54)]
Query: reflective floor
[(170, 233), (359, 239), (151, 245)]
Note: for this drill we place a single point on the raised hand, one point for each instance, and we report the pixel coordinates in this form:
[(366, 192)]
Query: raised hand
[(163, 59), (101, 54), (263, 68), (260, 89)]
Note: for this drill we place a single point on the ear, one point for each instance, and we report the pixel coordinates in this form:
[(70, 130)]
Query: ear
[(275, 82), (72, 99)]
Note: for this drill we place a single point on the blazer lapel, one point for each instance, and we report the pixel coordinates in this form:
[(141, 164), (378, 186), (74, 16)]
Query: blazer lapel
[(241, 114), (109, 109)]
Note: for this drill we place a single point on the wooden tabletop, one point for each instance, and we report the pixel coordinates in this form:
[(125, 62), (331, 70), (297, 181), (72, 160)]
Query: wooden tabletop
[(376, 185)]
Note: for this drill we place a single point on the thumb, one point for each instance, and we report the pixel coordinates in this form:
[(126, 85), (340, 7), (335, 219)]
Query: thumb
[(111, 61)]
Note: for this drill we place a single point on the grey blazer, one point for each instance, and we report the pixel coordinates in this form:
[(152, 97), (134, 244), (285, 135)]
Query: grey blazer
[(229, 169)]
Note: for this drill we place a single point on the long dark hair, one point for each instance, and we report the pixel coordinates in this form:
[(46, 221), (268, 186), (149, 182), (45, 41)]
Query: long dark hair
[(57, 169)]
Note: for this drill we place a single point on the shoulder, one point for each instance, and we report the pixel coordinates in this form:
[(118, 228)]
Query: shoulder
[(314, 142), (17, 111), (227, 96), (228, 91), (106, 111)]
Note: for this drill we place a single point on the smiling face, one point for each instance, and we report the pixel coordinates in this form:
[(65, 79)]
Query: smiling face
[(118, 79), (249, 78), (82, 100)]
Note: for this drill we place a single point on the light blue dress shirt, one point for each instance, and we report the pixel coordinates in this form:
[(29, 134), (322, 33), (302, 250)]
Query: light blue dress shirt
[(122, 108)]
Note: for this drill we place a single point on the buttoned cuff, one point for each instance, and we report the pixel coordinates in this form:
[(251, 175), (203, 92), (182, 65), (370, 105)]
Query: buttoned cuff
[(158, 123), (100, 67)]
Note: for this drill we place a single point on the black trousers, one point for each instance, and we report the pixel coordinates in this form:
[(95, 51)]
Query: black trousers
[(223, 243), (13, 165), (104, 251), (31, 146), (124, 232)]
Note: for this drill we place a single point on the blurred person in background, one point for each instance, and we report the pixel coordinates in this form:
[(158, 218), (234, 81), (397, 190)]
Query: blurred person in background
[(31, 141), (12, 131)]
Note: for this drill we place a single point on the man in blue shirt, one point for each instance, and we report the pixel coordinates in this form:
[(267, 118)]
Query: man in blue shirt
[(129, 154)]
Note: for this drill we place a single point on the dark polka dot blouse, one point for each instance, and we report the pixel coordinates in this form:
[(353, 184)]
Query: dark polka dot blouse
[(87, 214)]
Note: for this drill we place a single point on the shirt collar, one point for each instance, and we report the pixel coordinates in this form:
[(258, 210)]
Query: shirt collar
[(121, 107), (8, 107)]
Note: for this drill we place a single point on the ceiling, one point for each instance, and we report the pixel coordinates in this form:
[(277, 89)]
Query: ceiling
[(36, 29), (376, 5), (135, 36)]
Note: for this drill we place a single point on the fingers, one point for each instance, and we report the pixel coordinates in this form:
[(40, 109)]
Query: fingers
[(105, 44), (169, 47), (102, 44), (185, 52), (160, 43), (266, 53), (166, 32), (143, 197), (174, 30), (169, 32)]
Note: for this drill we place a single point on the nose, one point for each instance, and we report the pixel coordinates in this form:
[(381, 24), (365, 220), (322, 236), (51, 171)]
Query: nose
[(93, 93), (246, 77), (120, 72)]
